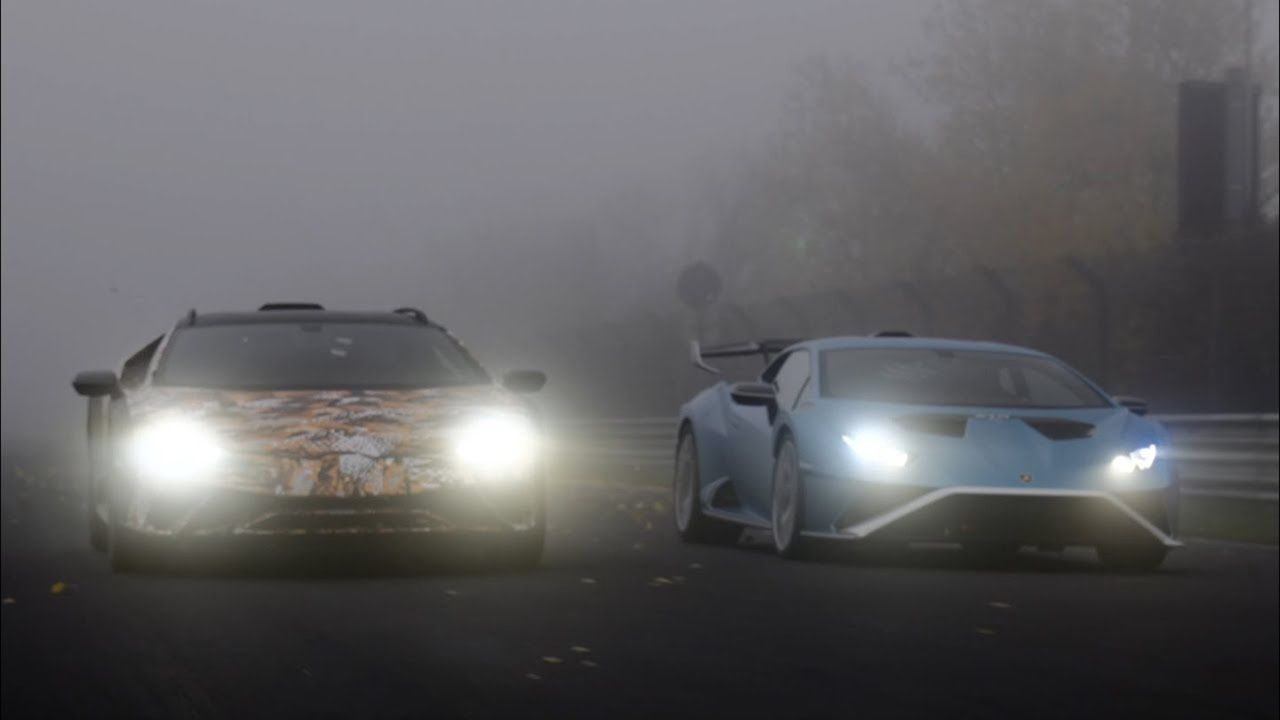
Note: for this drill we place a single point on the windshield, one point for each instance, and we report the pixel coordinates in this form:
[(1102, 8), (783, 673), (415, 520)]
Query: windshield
[(281, 356), (949, 377)]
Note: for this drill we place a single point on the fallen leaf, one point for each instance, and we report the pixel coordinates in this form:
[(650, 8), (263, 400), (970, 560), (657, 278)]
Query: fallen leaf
[(587, 581), (551, 660), (588, 663), (533, 676), (999, 604), (10, 601), (695, 566), (659, 507), (678, 578), (58, 588), (985, 631), (451, 592), (580, 649)]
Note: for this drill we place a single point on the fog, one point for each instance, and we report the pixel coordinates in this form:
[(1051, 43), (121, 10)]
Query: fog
[(159, 156)]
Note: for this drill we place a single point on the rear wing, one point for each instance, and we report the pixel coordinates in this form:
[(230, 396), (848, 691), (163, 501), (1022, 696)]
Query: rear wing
[(765, 348)]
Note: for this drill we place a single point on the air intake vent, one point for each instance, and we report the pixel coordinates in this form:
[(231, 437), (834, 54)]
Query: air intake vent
[(945, 425), (1059, 429)]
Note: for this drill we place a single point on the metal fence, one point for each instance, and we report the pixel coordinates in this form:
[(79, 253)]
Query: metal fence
[(1229, 456)]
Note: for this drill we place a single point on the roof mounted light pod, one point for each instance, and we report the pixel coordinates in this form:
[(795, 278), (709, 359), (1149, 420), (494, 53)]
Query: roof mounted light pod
[(290, 306)]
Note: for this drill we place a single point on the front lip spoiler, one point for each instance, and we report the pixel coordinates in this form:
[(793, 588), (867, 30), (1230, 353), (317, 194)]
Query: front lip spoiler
[(868, 527)]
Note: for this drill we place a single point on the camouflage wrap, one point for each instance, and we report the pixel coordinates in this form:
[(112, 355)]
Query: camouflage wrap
[(366, 447)]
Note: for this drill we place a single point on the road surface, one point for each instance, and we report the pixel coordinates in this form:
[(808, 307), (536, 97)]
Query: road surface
[(624, 621)]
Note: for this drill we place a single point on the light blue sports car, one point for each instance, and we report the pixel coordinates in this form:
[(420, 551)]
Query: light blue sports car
[(900, 439)]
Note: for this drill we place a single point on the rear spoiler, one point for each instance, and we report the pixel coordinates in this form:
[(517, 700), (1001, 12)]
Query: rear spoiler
[(765, 348)]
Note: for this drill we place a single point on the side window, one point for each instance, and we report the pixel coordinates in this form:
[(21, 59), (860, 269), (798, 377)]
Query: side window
[(134, 372), (791, 378)]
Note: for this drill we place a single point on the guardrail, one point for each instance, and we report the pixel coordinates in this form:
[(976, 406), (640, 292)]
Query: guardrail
[(1223, 455)]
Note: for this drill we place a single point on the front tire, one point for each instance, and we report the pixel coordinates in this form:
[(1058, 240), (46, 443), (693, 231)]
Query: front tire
[(125, 551), (1132, 558), (524, 551), (99, 533), (787, 513), (692, 524), (99, 527)]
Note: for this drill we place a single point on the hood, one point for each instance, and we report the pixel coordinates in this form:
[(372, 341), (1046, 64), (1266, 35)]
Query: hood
[(329, 442)]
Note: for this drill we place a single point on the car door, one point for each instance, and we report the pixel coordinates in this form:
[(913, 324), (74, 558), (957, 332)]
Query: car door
[(751, 430)]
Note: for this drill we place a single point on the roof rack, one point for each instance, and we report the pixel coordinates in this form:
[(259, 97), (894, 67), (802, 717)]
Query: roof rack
[(290, 306), (415, 313), (893, 333)]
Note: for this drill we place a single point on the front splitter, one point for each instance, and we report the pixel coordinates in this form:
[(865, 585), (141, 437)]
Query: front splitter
[(882, 524)]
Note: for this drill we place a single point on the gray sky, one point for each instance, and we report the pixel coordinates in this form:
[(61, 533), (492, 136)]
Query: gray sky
[(162, 155)]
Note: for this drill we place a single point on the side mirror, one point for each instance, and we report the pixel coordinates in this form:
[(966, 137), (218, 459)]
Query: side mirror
[(95, 383), (753, 393), (1137, 406), (524, 381)]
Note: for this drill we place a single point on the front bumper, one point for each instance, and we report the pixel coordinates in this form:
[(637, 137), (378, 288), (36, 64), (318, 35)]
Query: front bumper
[(1051, 517), (223, 512)]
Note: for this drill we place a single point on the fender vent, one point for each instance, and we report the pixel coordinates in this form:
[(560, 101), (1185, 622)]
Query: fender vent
[(945, 425), (726, 497), (1060, 429)]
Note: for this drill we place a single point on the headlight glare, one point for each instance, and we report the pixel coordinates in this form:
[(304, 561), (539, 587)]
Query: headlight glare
[(1141, 459), (876, 448), (174, 449), (497, 444)]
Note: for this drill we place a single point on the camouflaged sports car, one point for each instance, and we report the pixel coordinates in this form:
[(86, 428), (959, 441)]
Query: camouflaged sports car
[(297, 421)]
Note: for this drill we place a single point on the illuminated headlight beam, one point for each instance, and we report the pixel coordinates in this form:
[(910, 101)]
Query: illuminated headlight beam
[(500, 444), (175, 450), (877, 448), (1141, 459)]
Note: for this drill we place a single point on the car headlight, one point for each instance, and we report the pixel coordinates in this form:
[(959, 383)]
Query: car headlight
[(174, 449), (876, 447), (1141, 459), (499, 444)]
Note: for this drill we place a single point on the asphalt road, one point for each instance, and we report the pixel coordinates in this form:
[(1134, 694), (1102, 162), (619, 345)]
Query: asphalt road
[(624, 621)]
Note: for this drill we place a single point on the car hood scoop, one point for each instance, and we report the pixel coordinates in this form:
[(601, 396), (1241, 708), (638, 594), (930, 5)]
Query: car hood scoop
[(1060, 428), (954, 426)]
